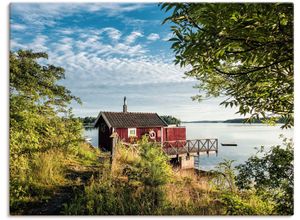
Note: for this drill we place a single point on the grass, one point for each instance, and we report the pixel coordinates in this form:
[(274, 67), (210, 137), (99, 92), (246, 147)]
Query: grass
[(123, 190), (140, 181), (135, 184), (51, 178)]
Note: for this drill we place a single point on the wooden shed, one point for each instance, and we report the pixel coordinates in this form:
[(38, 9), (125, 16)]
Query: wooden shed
[(131, 126)]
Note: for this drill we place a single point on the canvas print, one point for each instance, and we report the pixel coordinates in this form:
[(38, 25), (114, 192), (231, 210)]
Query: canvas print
[(151, 109)]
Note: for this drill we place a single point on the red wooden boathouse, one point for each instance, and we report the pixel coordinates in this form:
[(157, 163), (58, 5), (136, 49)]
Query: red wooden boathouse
[(131, 126)]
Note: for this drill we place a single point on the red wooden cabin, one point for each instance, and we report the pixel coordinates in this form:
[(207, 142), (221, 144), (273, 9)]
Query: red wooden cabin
[(133, 125)]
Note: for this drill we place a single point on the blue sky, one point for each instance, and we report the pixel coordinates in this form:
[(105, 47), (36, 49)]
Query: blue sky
[(111, 50)]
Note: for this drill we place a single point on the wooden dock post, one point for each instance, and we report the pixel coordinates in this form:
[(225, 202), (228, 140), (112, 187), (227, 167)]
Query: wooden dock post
[(114, 137)]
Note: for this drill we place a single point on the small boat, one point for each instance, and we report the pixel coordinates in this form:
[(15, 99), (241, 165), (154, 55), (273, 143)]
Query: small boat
[(228, 144)]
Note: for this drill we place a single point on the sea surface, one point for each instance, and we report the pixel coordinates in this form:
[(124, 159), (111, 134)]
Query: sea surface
[(247, 137)]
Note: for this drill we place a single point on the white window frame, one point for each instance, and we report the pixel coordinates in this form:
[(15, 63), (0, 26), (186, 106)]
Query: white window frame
[(131, 129)]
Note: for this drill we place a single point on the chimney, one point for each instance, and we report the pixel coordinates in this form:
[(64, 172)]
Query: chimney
[(125, 105)]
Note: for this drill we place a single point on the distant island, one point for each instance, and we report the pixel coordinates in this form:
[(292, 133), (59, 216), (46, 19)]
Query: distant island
[(235, 120), (89, 121)]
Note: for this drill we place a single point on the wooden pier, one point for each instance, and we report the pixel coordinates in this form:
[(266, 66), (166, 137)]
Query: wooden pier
[(190, 147), (183, 152)]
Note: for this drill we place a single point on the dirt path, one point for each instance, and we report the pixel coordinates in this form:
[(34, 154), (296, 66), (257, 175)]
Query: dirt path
[(78, 176)]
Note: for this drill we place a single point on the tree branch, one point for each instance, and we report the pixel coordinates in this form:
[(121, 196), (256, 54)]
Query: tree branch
[(252, 70)]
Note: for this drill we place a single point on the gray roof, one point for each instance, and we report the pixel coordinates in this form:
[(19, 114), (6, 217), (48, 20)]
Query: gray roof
[(131, 119)]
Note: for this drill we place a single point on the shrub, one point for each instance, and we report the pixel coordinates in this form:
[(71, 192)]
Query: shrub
[(271, 174), (248, 204), (134, 187)]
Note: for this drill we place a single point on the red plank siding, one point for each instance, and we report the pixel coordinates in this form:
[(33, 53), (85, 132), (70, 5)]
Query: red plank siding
[(123, 133), (173, 134)]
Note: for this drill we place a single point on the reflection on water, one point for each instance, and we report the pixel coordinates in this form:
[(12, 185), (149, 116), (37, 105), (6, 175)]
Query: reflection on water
[(248, 137)]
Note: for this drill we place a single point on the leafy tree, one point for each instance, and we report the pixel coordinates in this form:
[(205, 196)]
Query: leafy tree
[(35, 102), (171, 119), (241, 50), (87, 120), (37, 128), (36, 83), (272, 175)]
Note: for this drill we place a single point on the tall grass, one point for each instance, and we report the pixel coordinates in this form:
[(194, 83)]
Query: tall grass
[(140, 181), (37, 176), (48, 168)]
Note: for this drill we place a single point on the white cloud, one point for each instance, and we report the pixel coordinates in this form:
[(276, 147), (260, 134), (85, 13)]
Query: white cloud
[(18, 27), (132, 37), (112, 9), (66, 40), (89, 62), (39, 43), (112, 33), (14, 44), (88, 70), (47, 14), (168, 37), (94, 46), (153, 37), (66, 31), (92, 71)]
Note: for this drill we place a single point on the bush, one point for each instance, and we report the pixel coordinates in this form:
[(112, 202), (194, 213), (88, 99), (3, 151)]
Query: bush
[(235, 201), (134, 187), (248, 204), (271, 174)]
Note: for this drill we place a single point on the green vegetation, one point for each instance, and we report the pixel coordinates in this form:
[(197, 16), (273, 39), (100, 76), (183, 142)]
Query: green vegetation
[(237, 120), (243, 51), (133, 185), (87, 120), (271, 175), (255, 120), (141, 182), (235, 201), (43, 145), (171, 120)]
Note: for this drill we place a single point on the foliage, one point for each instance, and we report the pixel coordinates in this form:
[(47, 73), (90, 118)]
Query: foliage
[(153, 167), (225, 177), (243, 51), (134, 186), (236, 202), (247, 204), (272, 175), (48, 168), (245, 120), (87, 120), (85, 153), (40, 138), (171, 120)]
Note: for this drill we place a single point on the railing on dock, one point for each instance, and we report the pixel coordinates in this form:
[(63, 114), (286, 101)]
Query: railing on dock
[(190, 146)]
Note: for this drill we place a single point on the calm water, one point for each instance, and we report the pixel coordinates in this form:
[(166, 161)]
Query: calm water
[(248, 137)]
